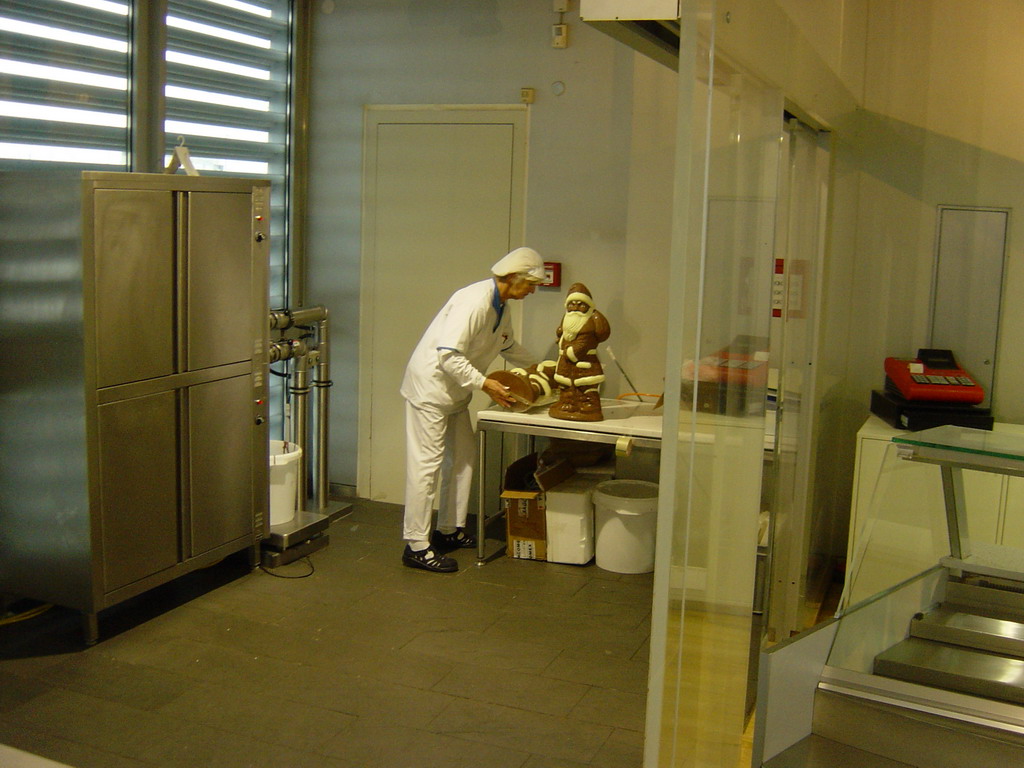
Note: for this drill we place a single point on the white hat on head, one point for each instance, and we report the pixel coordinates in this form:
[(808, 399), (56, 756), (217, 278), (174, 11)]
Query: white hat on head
[(525, 261)]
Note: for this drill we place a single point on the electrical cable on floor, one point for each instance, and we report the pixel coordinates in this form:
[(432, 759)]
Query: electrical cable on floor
[(301, 576), (31, 613)]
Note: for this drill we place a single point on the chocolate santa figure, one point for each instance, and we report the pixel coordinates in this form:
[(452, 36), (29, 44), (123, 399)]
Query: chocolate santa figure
[(579, 372)]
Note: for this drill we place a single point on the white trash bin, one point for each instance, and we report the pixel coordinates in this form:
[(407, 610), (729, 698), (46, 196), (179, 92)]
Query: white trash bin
[(626, 519), (284, 477)]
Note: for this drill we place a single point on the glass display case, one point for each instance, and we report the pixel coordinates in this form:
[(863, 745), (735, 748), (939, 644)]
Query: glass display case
[(948, 495), (954, 450), (928, 644)]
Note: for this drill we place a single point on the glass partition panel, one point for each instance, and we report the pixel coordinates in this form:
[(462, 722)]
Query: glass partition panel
[(941, 495), (940, 499), (881, 621), (907, 90), (703, 630), (799, 534), (903, 533)]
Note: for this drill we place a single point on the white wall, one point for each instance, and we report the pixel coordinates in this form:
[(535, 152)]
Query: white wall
[(598, 181), (944, 123), (924, 103)]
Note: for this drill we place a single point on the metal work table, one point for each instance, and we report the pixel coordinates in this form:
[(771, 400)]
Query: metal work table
[(955, 449), (635, 422)]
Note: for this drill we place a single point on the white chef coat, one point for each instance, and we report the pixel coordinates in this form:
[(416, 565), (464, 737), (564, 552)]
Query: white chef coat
[(460, 343)]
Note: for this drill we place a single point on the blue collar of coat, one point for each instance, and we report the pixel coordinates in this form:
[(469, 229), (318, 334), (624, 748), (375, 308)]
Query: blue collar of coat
[(498, 304)]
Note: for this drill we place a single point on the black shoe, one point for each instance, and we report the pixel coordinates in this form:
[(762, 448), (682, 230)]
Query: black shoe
[(429, 560), (446, 542)]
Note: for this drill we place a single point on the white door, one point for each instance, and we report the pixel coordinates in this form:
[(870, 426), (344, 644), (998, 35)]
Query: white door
[(443, 196)]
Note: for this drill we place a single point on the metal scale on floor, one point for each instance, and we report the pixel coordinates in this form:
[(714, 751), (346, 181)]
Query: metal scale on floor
[(303, 342)]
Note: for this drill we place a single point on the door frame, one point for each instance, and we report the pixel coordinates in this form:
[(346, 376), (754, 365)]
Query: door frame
[(793, 579), (375, 115)]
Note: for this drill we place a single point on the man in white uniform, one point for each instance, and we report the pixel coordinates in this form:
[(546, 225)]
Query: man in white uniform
[(447, 366)]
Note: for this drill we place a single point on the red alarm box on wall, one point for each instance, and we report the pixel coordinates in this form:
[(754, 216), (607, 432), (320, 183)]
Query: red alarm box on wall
[(552, 274)]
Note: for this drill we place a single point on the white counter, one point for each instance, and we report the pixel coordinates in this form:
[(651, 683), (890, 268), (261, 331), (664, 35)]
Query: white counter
[(621, 418)]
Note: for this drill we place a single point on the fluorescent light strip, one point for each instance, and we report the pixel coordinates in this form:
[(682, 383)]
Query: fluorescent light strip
[(55, 154), (62, 75), (245, 7), (215, 131), (202, 62), (62, 35), (220, 99), (218, 32), (226, 165), (63, 114), (120, 9)]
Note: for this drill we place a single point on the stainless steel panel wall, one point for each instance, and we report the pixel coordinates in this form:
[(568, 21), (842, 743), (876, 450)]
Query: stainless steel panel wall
[(220, 268), (138, 452), (221, 474), (135, 285), (44, 505)]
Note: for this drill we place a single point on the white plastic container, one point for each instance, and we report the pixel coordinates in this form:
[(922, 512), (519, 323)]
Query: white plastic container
[(569, 517), (626, 520), (284, 478)]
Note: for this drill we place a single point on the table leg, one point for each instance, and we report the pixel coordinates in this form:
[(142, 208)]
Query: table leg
[(481, 517), (90, 627), (956, 512)]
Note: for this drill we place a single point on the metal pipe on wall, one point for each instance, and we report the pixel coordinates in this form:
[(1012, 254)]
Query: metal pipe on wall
[(322, 383), (300, 390), (287, 350), (302, 30), (283, 319), (307, 355)]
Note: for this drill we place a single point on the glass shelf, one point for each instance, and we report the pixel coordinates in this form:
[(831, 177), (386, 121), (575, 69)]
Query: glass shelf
[(964, 447), (979, 442), (955, 449)]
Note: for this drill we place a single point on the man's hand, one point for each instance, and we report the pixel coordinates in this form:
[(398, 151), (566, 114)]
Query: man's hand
[(498, 393)]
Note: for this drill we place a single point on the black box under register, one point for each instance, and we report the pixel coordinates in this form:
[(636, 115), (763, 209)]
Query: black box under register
[(904, 414)]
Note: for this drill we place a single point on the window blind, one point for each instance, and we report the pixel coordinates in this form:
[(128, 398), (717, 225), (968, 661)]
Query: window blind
[(65, 92), (227, 97), (64, 84)]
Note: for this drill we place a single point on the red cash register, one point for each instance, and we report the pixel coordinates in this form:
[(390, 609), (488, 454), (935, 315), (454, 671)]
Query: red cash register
[(933, 376)]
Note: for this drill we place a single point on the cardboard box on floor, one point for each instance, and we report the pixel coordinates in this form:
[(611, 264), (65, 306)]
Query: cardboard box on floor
[(524, 505)]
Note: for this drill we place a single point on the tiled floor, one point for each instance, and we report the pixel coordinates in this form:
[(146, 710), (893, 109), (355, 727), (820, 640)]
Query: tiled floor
[(364, 664)]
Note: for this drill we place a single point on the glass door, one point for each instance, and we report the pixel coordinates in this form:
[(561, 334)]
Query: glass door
[(704, 626), (800, 567)]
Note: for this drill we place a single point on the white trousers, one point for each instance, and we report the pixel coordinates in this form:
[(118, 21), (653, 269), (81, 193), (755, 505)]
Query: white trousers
[(438, 445)]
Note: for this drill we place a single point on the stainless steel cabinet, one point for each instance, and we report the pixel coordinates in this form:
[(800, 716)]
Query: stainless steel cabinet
[(133, 445), (137, 455)]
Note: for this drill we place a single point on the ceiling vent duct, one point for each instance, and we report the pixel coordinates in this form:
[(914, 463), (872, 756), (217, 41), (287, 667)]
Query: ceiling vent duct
[(650, 27)]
